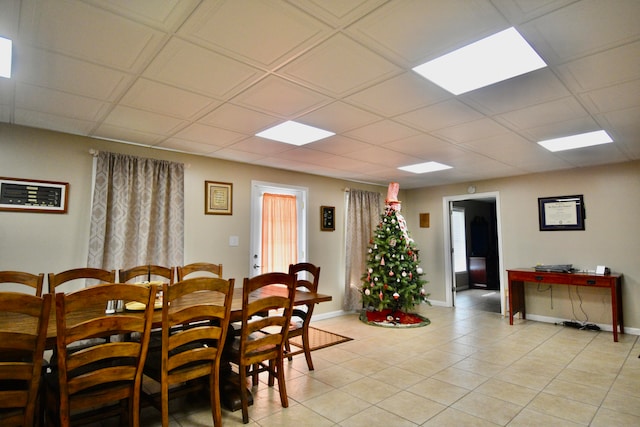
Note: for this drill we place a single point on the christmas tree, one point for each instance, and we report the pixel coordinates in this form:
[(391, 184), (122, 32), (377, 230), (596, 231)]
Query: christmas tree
[(393, 274)]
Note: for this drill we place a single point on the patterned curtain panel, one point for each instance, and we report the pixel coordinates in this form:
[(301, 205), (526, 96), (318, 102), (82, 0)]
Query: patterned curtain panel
[(363, 215), (137, 216)]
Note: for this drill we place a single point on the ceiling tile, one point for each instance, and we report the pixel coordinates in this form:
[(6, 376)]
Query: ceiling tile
[(338, 145), (59, 72), (209, 135), (262, 146), (338, 117), (569, 32), (519, 92), (123, 134), (160, 98), (441, 115), (414, 31), (597, 71), (200, 70), (337, 13), (546, 113), (143, 121), (261, 33), (239, 119), (277, 96), (85, 32), (612, 98), (399, 94), (465, 132), (381, 132), (59, 103), (339, 66)]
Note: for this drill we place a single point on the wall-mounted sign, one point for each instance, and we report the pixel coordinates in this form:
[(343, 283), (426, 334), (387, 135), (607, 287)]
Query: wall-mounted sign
[(28, 195)]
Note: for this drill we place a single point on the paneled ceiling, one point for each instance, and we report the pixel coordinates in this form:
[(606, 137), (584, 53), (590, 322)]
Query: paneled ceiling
[(205, 76)]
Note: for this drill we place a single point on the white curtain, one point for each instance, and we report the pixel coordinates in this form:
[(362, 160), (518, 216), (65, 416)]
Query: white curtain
[(137, 215), (363, 215)]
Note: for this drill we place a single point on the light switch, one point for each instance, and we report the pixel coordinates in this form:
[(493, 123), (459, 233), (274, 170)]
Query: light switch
[(234, 240)]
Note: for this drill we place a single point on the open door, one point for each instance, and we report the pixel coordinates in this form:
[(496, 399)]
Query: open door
[(258, 189), (456, 258)]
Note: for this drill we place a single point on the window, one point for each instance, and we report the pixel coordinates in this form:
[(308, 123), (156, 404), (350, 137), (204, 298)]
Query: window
[(458, 240)]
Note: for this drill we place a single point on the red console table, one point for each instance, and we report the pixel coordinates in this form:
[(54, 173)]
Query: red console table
[(613, 282)]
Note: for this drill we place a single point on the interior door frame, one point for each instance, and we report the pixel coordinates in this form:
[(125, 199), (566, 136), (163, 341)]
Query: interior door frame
[(257, 189), (448, 261)]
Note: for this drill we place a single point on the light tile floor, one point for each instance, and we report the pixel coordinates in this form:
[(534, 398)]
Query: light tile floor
[(467, 368)]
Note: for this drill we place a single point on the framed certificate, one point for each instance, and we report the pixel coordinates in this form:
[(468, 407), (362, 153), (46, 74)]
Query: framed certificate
[(218, 198), (561, 213)]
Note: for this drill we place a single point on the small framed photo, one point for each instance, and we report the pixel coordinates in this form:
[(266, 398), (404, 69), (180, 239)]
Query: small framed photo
[(218, 198), (561, 213), (28, 195), (327, 218)]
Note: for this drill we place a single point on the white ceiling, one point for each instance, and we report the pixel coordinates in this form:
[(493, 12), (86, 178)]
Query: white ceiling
[(205, 76)]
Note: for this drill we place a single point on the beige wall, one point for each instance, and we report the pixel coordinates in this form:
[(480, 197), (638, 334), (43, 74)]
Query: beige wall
[(611, 238), (52, 242)]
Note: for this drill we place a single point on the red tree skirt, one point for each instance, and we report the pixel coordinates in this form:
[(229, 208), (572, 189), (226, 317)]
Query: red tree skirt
[(396, 318)]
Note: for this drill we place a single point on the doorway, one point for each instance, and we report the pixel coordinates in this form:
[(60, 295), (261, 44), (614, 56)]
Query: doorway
[(258, 189), (474, 261)]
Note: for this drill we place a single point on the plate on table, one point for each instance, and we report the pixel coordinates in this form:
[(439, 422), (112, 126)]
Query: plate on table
[(138, 306), (158, 283)]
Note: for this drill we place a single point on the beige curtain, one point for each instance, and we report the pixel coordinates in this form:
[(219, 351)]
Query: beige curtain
[(279, 232), (137, 215), (363, 215)]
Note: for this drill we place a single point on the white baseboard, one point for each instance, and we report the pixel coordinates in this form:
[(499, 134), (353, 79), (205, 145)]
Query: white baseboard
[(605, 327)]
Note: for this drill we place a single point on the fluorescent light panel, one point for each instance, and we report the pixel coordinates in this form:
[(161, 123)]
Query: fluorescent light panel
[(294, 133), (5, 57), (425, 167), (493, 59), (577, 141)]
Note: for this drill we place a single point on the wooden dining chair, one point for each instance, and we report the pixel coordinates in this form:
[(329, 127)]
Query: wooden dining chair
[(307, 278), (255, 351), (199, 269), (26, 281), (92, 383), (21, 351), (195, 318), (91, 276), (146, 273)]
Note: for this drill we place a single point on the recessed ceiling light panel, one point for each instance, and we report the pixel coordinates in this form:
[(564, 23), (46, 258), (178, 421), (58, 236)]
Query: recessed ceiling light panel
[(5, 57), (294, 133), (577, 141), (425, 167), (493, 59)]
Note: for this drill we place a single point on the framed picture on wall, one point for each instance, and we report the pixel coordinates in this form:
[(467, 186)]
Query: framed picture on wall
[(218, 198), (327, 218), (561, 213), (29, 195)]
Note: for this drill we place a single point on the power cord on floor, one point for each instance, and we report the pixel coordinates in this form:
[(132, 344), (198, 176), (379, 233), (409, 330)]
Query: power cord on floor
[(583, 326)]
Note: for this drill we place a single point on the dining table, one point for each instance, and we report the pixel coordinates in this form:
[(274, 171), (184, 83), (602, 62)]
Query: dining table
[(230, 393)]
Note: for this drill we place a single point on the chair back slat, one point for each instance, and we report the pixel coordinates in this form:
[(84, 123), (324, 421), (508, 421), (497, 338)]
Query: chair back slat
[(91, 276), (8, 280), (195, 319), (199, 269), (21, 354), (106, 371), (146, 273)]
